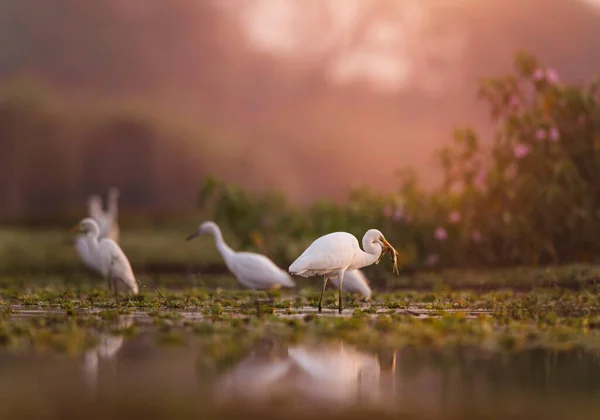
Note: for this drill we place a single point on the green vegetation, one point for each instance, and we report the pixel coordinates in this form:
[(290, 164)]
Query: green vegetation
[(530, 197), (502, 319), (551, 330)]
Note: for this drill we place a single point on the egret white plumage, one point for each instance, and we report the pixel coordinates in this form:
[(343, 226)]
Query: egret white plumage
[(108, 257), (95, 210), (254, 271), (333, 254), (107, 220), (106, 223), (354, 282), (110, 227)]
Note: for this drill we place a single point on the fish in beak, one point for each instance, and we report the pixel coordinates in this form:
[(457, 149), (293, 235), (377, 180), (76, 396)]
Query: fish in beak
[(388, 248)]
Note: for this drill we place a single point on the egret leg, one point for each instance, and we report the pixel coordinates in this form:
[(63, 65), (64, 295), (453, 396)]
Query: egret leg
[(340, 278), (110, 288), (114, 285), (256, 301), (322, 293)]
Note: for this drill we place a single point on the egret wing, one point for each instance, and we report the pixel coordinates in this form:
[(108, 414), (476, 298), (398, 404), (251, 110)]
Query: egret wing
[(326, 254), (116, 264), (256, 271)]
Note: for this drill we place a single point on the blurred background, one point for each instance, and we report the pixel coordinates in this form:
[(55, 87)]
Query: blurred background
[(308, 97), (287, 119)]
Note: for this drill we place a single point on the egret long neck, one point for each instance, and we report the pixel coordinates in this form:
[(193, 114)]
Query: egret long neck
[(93, 246), (368, 256), (224, 249), (364, 259)]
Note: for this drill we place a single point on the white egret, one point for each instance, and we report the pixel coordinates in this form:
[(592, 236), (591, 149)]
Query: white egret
[(94, 203), (254, 271), (108, 257), (85, 253), (96, 212), (335, 253), (354, 282)]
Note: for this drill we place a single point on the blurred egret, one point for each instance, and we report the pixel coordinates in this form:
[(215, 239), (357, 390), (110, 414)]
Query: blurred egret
[(333, 254), (107, 220), (354, 282), (111, 217), (85, 253), (95, 207), (254, 271), (108, 256)]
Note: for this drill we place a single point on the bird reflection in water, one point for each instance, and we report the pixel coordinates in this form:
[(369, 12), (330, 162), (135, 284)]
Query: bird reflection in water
[(106, 350), (335, 374)]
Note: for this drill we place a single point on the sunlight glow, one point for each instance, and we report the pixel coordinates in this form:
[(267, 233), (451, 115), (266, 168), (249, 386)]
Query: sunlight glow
[(387, 45)]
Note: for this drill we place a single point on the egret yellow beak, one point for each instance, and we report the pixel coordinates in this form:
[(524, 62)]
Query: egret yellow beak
[(76, 228), (192, 236)]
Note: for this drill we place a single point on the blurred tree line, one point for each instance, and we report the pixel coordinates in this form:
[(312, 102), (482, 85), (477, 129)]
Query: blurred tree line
[(530, 196), (270, 120), (54, 154)]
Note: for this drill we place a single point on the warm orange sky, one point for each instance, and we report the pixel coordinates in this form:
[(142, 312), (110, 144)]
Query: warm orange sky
[(391, 55), (306, 96)]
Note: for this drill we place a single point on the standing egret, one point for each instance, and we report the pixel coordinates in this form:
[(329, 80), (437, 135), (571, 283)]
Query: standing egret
[(108, 256), (94, 203), (354, 282), (333, 254), (254, 271)]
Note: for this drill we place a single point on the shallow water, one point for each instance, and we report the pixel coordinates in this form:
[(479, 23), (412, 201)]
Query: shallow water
[(311, 373)]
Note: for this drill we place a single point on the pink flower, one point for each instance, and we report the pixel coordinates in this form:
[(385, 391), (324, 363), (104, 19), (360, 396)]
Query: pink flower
[(480, 179), (552, 76), (554, 134), (432, 260), (387, 211), (454, 217), (440, 234), (514, 101), (399, 214), (521, 150), (540, 134), (476, 236), (538, 74)]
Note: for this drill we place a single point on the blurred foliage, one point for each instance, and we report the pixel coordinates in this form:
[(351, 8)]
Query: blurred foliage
[(529, 196), (53, 153)]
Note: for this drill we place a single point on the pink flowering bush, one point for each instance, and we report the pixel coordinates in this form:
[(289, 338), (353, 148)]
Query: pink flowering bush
[(529, 195)]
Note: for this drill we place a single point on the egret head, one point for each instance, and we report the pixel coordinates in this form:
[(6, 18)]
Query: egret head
[(87, 226), (374, 236), (206, 227)]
